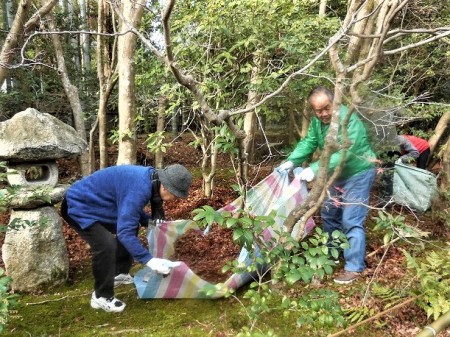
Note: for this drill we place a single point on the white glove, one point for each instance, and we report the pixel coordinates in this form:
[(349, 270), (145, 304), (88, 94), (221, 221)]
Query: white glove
[(285, 166), (162, 266), (307, 174), (399, 161)]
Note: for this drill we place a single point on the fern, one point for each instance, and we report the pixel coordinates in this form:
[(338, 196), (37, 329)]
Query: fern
[(434, 281), (389, 296), (358, 314)]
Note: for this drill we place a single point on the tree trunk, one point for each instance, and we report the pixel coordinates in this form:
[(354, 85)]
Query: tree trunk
[(13, 39), (107, 80), (174, 124), (305, 121), (445, 182), (132, 11), (250, 118), (73, 41), (209, 160), (160, 125), (72, 94), (441, 127), (18, 29), (322, 7), (85, 44), (8, 20)]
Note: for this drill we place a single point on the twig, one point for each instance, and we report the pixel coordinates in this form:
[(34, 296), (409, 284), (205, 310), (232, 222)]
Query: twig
[(67, 296), (53, 300), (124, 331), (382, 247), (395, 307)]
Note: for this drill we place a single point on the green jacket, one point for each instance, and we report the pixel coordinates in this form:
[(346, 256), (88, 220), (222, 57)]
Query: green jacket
[(359, 156)]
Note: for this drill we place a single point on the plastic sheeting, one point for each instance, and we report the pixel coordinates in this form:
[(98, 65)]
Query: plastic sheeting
[(414, 187), (275, 193)]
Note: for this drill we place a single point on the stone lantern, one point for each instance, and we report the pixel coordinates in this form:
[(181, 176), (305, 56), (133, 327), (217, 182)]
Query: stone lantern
[(34, 250)]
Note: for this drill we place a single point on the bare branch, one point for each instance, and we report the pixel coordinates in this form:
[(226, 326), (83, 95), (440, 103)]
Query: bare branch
[(33, 22), (420, 43), (333, 41)]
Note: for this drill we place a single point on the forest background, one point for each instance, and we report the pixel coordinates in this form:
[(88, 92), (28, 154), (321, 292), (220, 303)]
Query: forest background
[(232, 77)]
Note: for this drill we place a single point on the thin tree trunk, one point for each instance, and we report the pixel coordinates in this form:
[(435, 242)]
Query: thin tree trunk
[(92, 146), (250, 118), (72, 94), (7, 24), (160, 125), (73, 41), (305, 122), (322, 7), (107, 80), (13, 39), (85, 44), (445, 182), (127, 104), (175, 125), (210, 152), (441, 126), (18, 30)]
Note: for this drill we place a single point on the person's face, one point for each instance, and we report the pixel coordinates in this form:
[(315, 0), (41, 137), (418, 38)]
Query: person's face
[(322, 107), (165, 194)]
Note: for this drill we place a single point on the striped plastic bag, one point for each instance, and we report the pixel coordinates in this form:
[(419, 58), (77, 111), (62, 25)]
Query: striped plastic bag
[(275, 193)]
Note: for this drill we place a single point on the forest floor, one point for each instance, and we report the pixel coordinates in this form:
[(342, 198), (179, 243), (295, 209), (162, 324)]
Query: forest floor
[(65, 311)]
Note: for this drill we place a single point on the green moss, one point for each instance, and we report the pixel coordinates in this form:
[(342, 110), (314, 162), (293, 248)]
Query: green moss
[(65, 311)]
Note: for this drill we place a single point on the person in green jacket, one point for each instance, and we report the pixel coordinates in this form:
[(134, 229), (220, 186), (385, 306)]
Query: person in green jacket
[(345, 208)]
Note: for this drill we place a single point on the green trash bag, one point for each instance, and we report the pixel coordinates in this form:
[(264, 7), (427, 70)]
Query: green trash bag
[(413, 187)]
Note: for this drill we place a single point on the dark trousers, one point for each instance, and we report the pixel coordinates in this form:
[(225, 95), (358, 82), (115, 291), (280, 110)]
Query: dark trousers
[(421, 162), (109, 256), (387, 178)]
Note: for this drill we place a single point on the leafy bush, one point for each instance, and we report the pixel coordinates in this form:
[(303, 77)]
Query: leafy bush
[(288, 262)]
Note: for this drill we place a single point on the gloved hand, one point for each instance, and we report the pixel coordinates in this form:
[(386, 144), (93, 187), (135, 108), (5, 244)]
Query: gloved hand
[(285, 166), (399, 161), (162, 266), (153, 223), (307, 174)]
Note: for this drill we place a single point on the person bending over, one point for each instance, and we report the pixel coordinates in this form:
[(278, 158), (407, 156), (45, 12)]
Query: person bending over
[(106, 210)]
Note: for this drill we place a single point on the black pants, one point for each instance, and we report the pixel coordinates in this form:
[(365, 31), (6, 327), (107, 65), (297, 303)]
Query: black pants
[(421, 162), (109, 256), (387, 178)]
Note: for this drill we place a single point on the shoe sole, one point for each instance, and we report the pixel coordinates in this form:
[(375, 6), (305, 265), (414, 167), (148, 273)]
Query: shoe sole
[(344, 282), (119, 283), (98, 306)]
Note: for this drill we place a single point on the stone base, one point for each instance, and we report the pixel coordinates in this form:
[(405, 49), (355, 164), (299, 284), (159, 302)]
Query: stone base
[(35, 256)]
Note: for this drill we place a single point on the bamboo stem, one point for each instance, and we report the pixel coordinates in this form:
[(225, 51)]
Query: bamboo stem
[(437, 326)]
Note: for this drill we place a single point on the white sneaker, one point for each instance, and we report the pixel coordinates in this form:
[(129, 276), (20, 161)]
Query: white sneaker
[(111, 304), (123, 279)]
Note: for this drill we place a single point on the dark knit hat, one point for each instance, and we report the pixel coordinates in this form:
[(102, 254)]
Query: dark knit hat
[(176, 179)]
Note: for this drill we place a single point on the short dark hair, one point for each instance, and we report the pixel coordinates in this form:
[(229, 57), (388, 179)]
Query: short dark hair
[(321, 90)]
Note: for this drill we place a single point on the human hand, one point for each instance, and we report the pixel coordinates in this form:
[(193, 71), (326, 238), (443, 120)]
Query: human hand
[(162, 266), (285, 166), (399, 161), (307, 174)]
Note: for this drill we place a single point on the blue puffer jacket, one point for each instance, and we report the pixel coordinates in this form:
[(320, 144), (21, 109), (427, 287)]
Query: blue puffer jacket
[(115, 195)]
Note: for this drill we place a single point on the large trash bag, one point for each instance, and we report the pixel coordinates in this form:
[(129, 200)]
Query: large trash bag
[(275, 193), (414, 187)]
